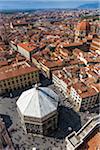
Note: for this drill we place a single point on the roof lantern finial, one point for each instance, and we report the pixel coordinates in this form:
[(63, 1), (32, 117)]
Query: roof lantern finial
[(36, 86)]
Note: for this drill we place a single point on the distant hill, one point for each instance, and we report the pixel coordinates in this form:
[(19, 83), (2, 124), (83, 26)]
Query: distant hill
[(90, 6)]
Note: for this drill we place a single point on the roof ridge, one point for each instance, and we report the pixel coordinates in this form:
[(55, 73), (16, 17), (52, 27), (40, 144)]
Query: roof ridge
[(28, 103), (47, 94), (36, 91), (23, 98), (46, 100), (39, 103)]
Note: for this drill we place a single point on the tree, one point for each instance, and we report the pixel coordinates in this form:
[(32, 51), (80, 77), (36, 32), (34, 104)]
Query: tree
[(52, 49)]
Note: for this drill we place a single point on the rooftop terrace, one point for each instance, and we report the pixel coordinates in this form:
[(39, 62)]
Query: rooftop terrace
[(76, 139)]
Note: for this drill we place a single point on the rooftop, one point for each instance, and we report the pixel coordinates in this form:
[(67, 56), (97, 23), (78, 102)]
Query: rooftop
[(72, 44), (76, 139), (83, 25), (28, 46), (94, 141), (38, 102), (96, 86), (83, 90)]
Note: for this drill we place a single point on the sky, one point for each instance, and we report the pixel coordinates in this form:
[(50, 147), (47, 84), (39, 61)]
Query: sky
[(36, 4), (49, 0)]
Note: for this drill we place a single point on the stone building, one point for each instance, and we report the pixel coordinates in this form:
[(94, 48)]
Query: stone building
[(37, 108), (17, 76), (95, 45), (82, 30), (27, 49), (82, 96), (87, 138), (5, 140)]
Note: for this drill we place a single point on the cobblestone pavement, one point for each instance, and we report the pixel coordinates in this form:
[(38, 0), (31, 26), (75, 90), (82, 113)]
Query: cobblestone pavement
[(20, 139), (67, 118)]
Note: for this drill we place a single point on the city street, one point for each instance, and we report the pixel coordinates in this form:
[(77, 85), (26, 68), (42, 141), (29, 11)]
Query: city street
[(68, 118)]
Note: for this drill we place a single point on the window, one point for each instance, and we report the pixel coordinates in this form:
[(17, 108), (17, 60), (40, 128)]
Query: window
[(38, 126), (8, 83), (14, 88), (77, 103), (17, 80), (29, 83), (4, 84), (6, 90), (49, 121), (36, 75), (13, 82), (32, 76)]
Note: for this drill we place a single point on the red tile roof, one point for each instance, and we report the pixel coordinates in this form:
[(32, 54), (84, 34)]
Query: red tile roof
[(83, 25), (10, 72), (83, 90), (28, 46)]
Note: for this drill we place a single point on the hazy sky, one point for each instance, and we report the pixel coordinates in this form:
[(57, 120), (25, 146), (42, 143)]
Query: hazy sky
[(36, 4), (51, 0)]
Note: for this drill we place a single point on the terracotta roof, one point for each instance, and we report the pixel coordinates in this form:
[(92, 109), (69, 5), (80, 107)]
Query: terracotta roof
[(52, 64), (83, 25), (96, 86), (75, 62), (97, 45), (90, 92), (93, 141), (93, 74), (83, 90), (96, 39), (93, 48), (3, 63), (72, 44), (89, 80), (6, 72), (28, 46)]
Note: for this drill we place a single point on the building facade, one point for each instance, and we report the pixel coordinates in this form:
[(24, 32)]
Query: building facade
[(5, 140), (82, 96), (95, 45), (41, 126), (17, 76), (61, 82), (47, 67), (26, 49)]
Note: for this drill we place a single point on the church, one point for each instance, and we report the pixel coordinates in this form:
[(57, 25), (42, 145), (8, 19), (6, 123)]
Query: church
[(82, 30), (37, 108)]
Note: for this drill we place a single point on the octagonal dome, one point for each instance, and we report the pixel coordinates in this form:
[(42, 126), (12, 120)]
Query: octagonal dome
[(38, 102)]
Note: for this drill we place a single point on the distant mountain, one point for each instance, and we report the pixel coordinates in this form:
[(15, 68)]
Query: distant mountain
[(90, 6)]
